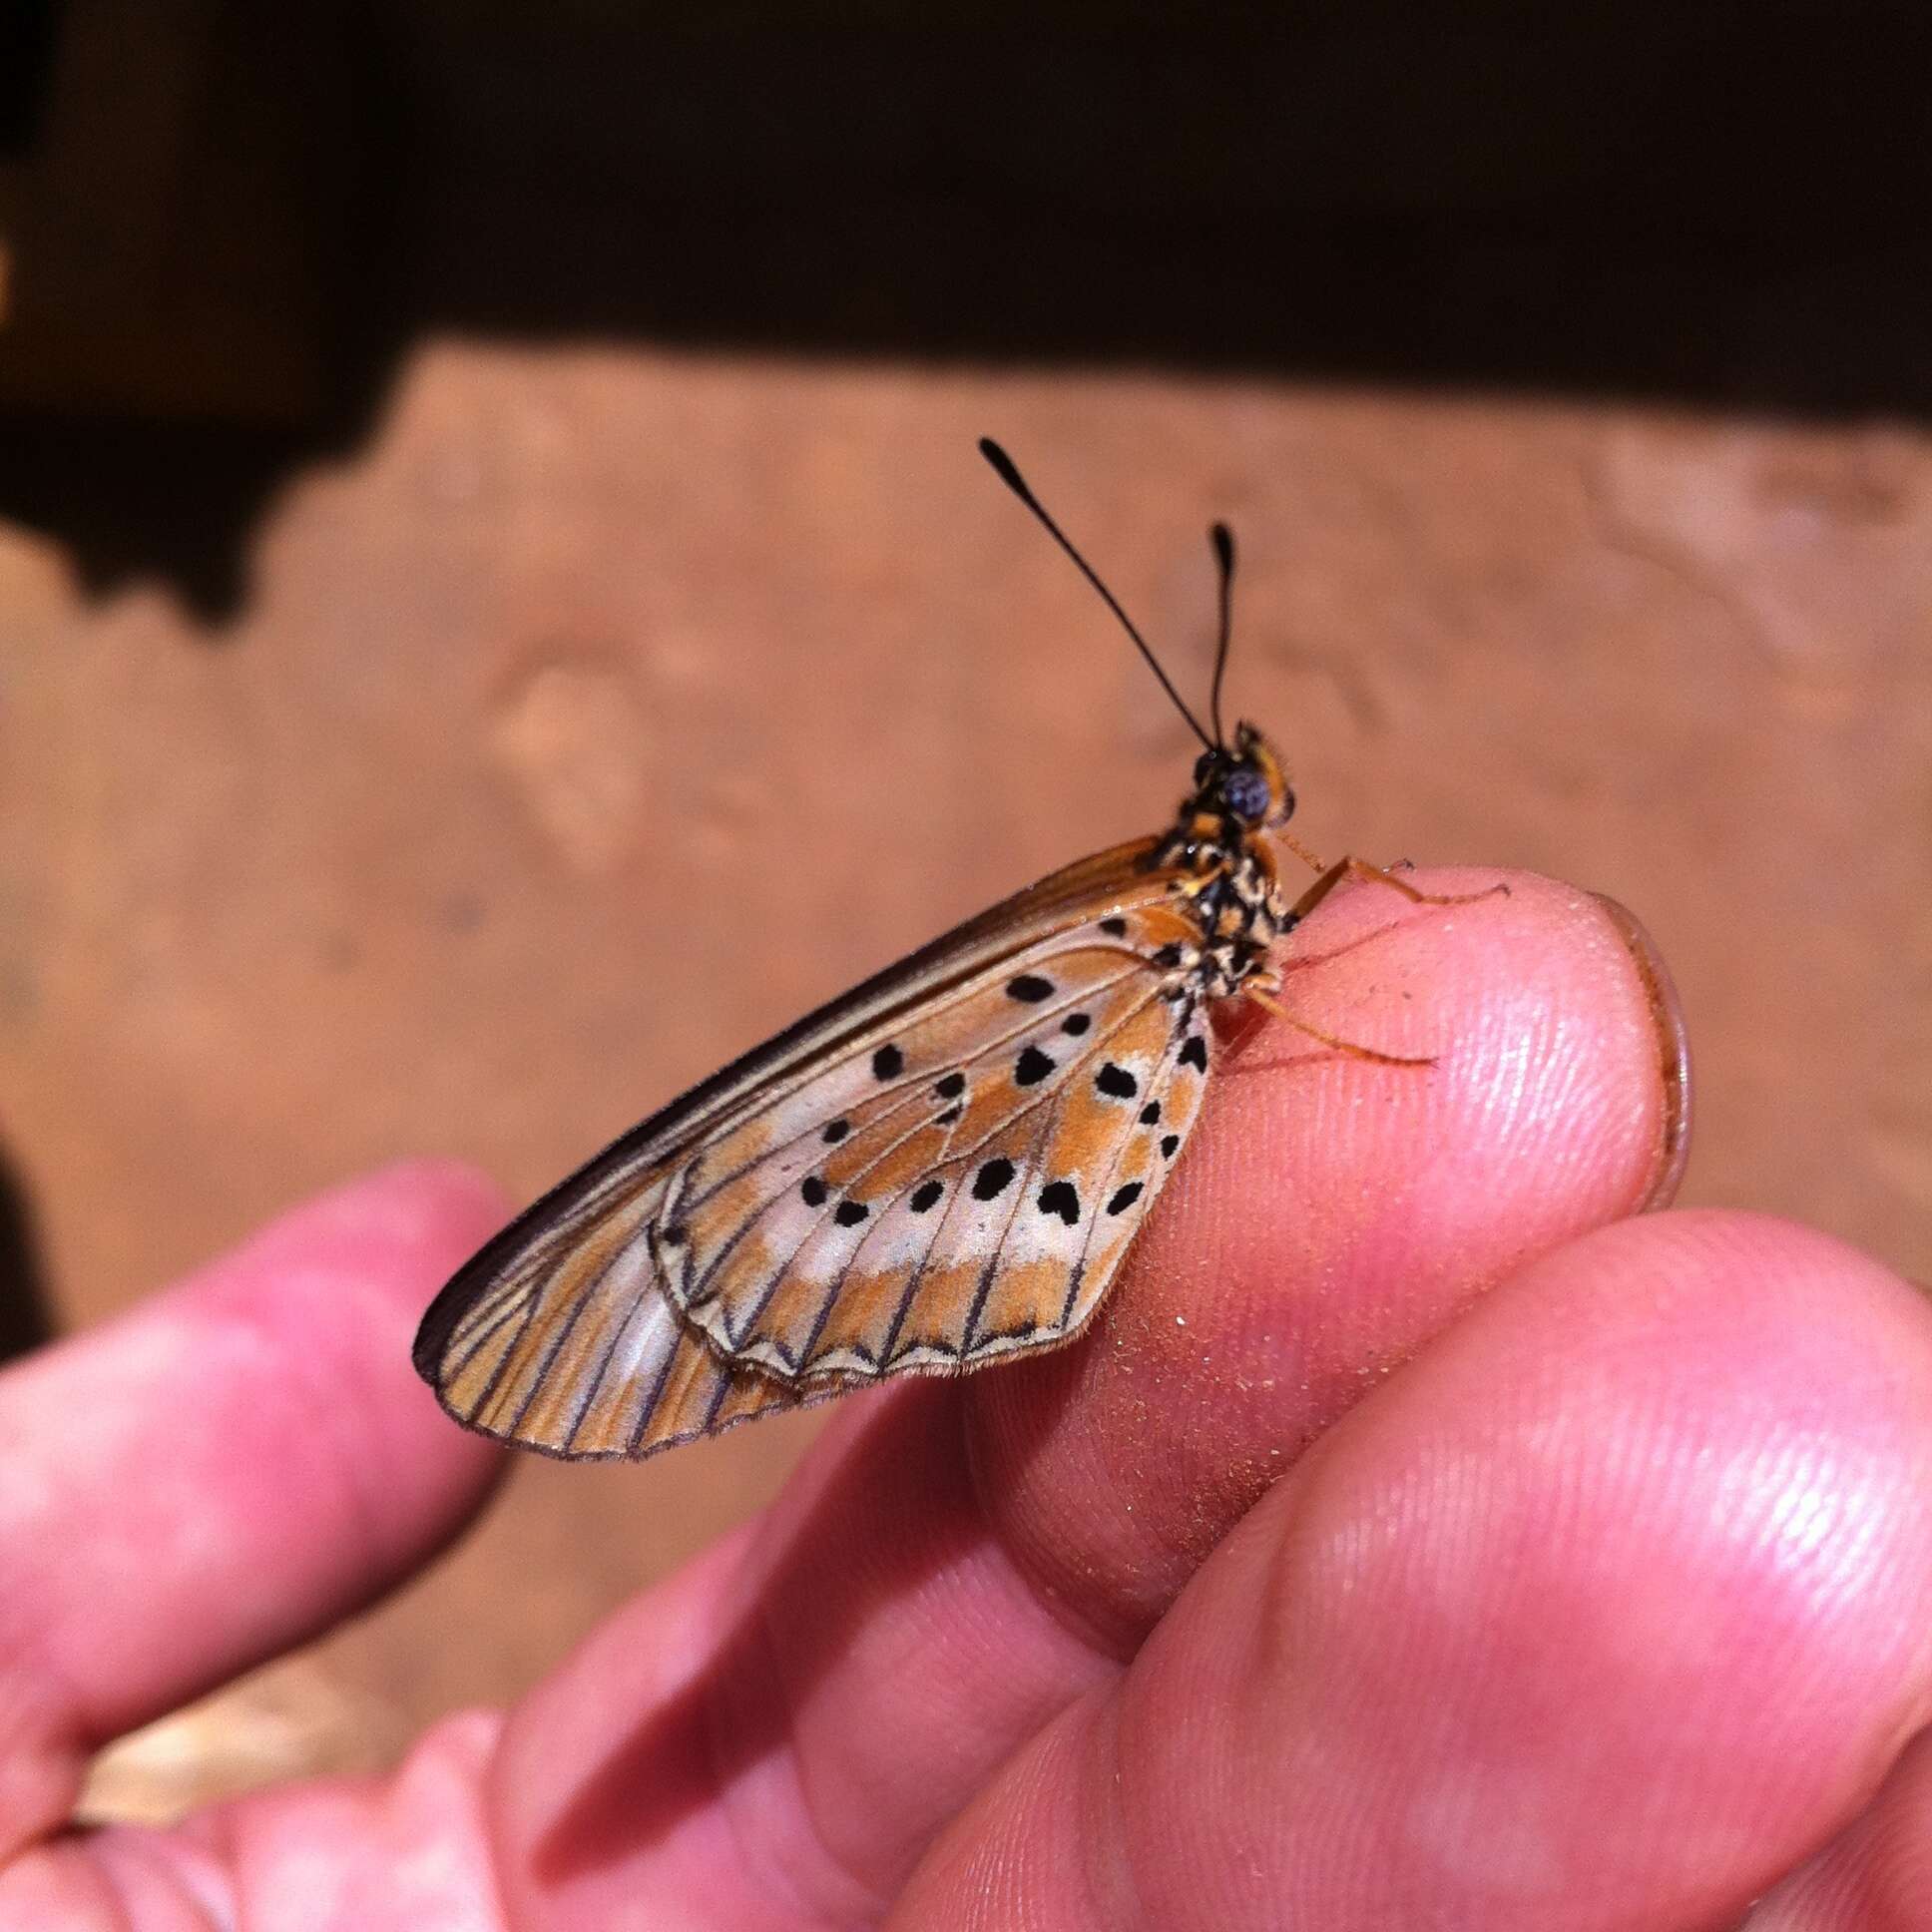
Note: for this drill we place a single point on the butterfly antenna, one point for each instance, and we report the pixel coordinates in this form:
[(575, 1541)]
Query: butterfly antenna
[(1009, 475), (1222, 540)]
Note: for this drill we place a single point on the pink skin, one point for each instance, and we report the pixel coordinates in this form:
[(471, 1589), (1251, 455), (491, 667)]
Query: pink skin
[(1419, 1540)]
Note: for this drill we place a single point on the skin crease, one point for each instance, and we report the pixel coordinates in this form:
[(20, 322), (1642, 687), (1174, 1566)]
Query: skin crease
[(1418, 1539)]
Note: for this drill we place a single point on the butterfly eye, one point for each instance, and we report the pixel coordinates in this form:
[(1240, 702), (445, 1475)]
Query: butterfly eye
[(1202, 766), (1246, 792)]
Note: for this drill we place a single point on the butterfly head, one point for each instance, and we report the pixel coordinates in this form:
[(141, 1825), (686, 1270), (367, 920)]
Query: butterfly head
[(1244, 782)]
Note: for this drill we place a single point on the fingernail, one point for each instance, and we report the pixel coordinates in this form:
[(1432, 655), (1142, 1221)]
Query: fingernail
[(1673, 1054)]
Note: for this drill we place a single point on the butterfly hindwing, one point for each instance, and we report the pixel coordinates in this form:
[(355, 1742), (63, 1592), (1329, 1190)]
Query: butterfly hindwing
[(1106, 1156), (841, 1182)]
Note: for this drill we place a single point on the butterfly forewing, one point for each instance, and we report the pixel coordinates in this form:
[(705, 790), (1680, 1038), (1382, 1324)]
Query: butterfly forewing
[(714, 1264), (634, 1379)]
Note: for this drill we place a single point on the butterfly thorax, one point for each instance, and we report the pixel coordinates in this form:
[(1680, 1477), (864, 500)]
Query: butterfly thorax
[(1235, 904), (1219, 847)]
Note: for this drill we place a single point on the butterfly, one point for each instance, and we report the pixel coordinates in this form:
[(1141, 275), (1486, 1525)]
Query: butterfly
[(938, 1171)]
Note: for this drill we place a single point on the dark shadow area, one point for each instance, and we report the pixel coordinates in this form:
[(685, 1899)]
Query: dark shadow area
[(26, 1319), (173, 501), (26, 55), (1717, 207)]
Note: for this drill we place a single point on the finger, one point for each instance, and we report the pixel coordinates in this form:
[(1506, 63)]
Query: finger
[(930, 1589), (396, 1853), (1603, 1615), (1333, 1215), (234, 1465)]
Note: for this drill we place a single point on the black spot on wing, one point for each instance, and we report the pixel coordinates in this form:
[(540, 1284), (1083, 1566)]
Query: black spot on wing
[(1029, 988), (848, 1214), (836, 1131), (951, 1087), (887, 1063), (1032, 1067), (1151, 1113), (1195, 1054), (1116, 1082), (1124, 1198), (1169, 1142), (1075, 1024), (992, 1180), (1061, 1198), (925, 1196), (1113, 928), (813, 1191)]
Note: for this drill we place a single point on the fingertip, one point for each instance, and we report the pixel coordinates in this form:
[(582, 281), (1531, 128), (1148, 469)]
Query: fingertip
[(335, 1290), (229, 1466), (342, 1280), (400, 1225), (1672, 1041), (1557, 1064)]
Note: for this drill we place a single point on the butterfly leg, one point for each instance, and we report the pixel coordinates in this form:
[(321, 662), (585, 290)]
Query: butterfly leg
[(1193, 886), (1283, 836), (1263, 997), (1262, 988), (1359, 868)]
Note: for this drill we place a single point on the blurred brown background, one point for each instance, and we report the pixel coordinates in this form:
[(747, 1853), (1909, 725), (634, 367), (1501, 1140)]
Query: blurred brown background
[(499, 608)]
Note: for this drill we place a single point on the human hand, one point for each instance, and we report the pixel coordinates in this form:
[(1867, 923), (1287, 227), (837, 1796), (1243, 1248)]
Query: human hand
[(1419, 1540)]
